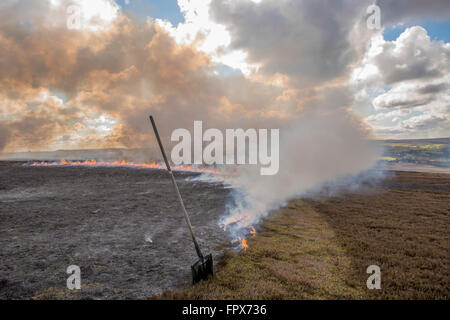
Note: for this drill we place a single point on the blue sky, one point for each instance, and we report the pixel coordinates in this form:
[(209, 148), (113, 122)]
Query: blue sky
[(437, 30), (162, 9)]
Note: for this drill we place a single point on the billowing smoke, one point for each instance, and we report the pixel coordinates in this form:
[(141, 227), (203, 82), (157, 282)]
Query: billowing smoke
[(63, 88), (325, 142), (94, 88), (321, 148)]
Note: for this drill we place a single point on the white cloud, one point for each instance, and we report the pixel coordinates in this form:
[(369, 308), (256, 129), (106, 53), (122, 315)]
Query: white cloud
[(412, 73), (424, 121), (208, 36), (402, 96), (95, 14)]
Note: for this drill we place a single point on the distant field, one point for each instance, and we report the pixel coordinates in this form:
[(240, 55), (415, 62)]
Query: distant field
[(320, 248), (434, 152)]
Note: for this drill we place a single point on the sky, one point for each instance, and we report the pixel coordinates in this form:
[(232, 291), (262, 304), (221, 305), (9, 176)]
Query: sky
[(159, 9), (437, 30), (69, 83)]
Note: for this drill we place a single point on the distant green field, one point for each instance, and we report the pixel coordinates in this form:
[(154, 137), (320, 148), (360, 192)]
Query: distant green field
[(434, 152)]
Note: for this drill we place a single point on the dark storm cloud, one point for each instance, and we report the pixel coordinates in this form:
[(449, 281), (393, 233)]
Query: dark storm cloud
[(413, 11), (310, 41)]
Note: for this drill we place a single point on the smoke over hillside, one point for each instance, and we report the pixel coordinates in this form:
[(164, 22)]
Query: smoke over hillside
[(95, 87)]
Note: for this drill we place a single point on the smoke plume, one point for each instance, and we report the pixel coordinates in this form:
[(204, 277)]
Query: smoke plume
[(94, 88)]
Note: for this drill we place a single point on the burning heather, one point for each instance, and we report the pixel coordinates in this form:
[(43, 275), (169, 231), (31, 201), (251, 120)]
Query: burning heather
[(248, 203), (123, 163)]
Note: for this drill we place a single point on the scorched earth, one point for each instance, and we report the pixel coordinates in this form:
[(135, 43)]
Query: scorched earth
[(122, 226)]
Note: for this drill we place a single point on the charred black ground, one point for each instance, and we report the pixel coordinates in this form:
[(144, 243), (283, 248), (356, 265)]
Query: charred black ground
[(122, 226)]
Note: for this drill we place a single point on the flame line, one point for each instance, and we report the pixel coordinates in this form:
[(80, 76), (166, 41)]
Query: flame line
[(122, 163)]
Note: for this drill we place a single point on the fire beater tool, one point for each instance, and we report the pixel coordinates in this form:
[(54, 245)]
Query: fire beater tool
[(204, 266)]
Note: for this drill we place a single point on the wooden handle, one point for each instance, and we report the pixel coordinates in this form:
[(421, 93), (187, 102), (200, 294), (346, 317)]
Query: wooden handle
[(183, 208), (160, 143)]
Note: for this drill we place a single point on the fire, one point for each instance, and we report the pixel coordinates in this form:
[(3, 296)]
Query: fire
[(123, 163), (243, 243)]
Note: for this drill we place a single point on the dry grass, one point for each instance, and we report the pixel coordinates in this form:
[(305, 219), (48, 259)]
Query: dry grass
[(294, 256), (403, 228), (320, 249)]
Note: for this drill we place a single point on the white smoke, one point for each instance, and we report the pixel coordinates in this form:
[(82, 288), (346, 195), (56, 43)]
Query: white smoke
[(320, 148)]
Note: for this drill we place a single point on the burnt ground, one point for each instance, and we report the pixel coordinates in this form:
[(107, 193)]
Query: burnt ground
[(122, 226)]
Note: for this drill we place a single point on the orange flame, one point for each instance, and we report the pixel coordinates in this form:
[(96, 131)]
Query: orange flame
[(123, 163), (243, 241), (244, 244)]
